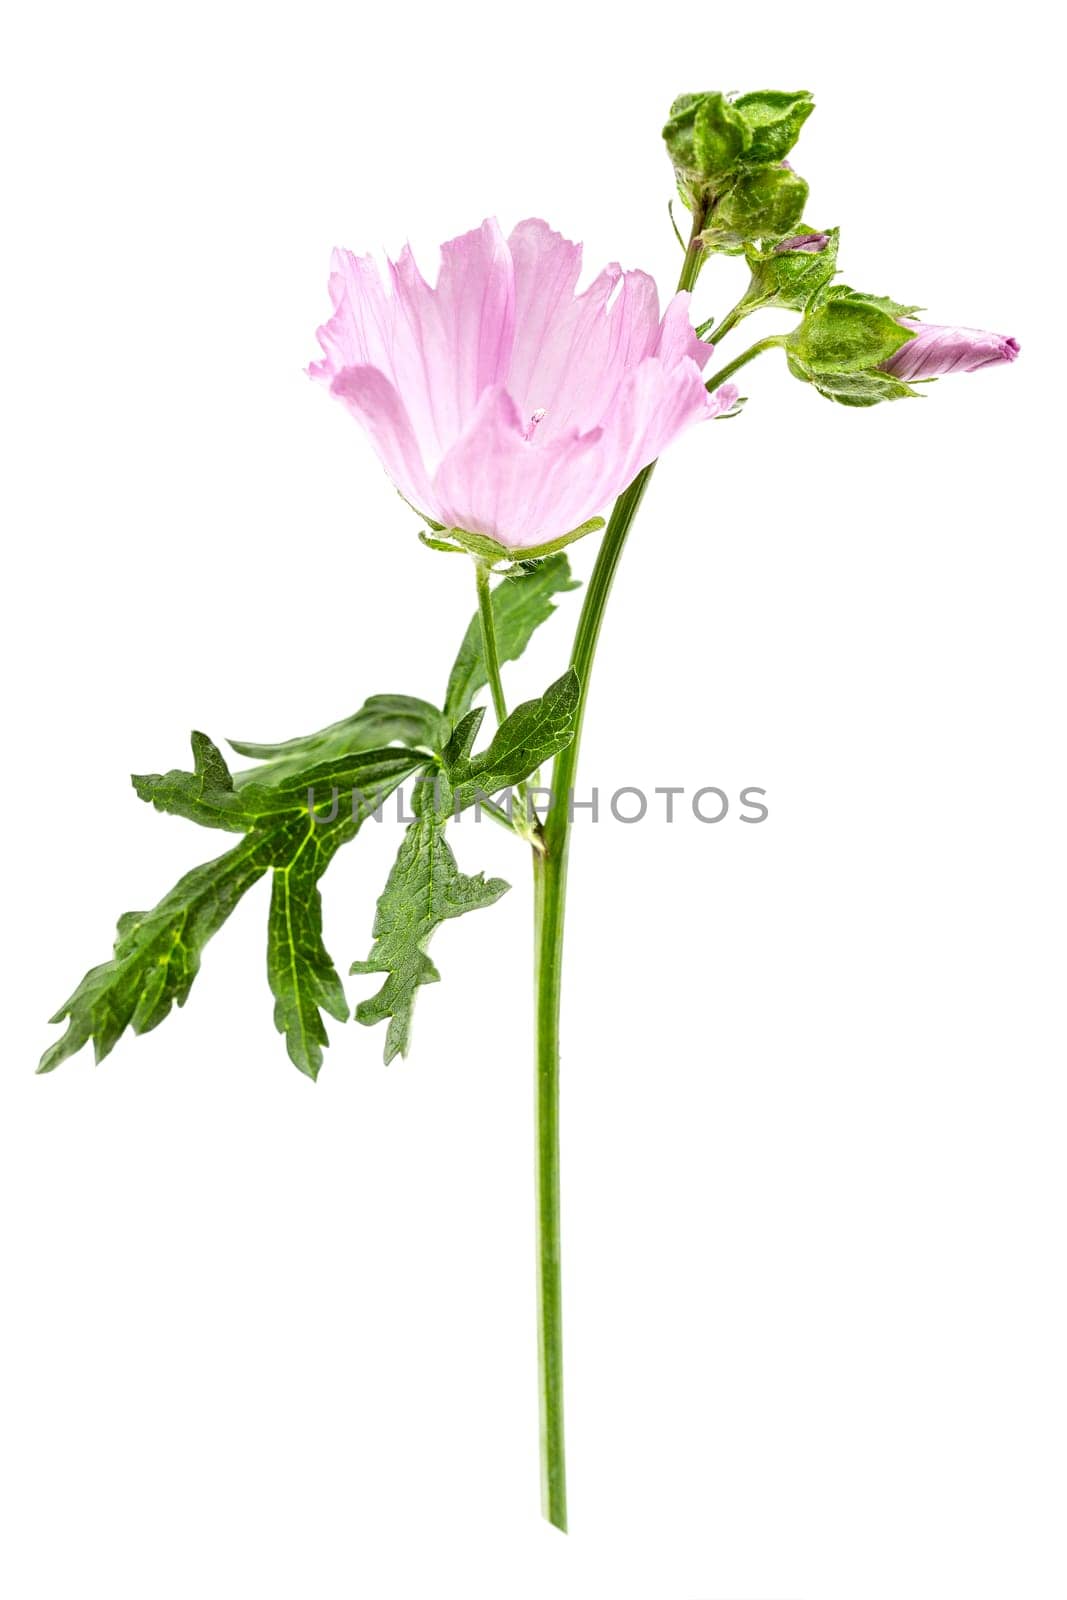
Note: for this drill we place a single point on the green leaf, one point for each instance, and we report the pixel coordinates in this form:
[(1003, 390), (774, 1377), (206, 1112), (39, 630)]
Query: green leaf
[(383, 719), (157, 954), (526, 739), (520, 605), (774, 118), (425, 888)]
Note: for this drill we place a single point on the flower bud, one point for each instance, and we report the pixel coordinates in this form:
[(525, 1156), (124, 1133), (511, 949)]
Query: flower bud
[(729, 160), (844, 340), (934, 351), (842, 347), (843, 331), (760, 204), (802, 244), (791, 271), (705, 139)]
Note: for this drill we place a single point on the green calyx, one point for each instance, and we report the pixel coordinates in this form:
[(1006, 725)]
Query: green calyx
[(844, 338), (764, 203), (706, 138), (728, 157), (456, 541), (788, 273)]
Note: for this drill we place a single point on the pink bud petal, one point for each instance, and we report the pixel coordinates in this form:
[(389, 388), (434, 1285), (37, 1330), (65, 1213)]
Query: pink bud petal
[(937, 351)]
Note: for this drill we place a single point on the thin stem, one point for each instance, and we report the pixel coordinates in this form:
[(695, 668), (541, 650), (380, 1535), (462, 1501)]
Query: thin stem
[(527, 827), (497, 813), (489, 649), (694, 254), (772, 341), (742, 309), (550, 896)]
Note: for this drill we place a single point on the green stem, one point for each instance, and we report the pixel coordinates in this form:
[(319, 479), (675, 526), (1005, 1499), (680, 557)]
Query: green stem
[(743, 308), (527, 826), (772, 341), (550, 898), (489, 649)]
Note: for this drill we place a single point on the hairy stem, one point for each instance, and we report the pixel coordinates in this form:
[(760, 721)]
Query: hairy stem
[(772, 342), (743, 308), (550, 896)]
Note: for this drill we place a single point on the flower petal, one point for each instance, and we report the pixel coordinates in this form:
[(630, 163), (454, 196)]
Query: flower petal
[(571, 352), (935, 351), (517, 490), (373, 401), (677, 338), (358, 333), (654, 405), (463, 329), (546, 267), (724, 399)]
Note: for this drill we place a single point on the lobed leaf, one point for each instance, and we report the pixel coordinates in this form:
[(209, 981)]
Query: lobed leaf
[(424, 889), (157, 954), (384, 719)]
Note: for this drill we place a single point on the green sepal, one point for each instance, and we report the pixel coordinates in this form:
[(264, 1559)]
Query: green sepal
[(441, 544), (881, 302), (774, 118), (849, 334), (705, 139), (424, 889), (767, 202), (789, 278), (157, 953), (856, 388), (521, 603), (492, 551)]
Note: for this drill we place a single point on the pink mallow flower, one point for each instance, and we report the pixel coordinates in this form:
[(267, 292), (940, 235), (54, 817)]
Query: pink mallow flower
[(501, 402), (934, 352)]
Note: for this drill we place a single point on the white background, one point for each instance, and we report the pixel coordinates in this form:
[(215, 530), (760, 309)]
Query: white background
[(266, 1339)]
